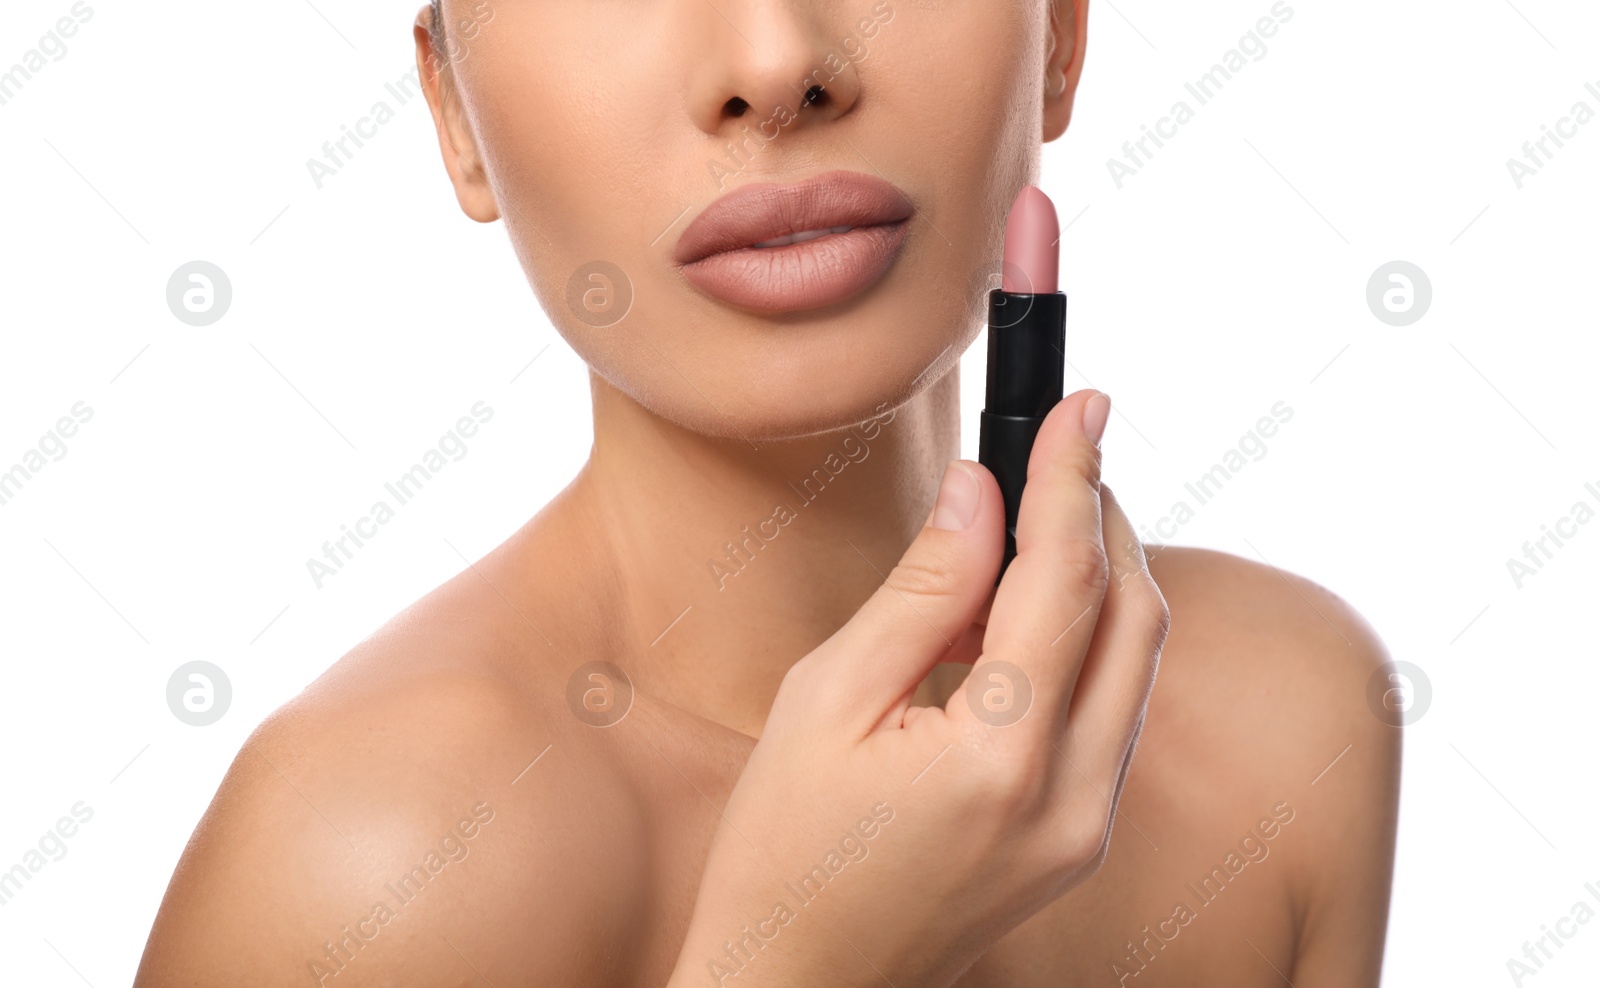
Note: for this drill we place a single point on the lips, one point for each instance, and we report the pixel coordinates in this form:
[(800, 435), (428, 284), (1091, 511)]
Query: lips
[(775, 248)]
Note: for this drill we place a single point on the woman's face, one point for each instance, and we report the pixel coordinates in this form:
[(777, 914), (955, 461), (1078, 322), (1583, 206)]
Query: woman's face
[(598, 130)]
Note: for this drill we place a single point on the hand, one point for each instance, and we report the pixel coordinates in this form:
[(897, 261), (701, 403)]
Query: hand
[(868, 839)]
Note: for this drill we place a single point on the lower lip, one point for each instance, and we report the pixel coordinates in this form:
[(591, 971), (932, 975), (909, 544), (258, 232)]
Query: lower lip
[(806, 275)]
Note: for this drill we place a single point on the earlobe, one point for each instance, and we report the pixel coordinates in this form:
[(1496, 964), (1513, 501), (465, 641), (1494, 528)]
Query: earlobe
[(456, 143), (1069, 21)]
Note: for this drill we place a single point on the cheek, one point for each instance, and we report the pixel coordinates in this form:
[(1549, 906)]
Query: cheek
[(954, 99), (572, 122)]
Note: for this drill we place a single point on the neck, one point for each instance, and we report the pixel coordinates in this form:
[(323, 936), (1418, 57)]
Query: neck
[(718, 565)]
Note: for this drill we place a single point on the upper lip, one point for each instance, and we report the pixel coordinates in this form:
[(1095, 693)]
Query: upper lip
[(753, 214)]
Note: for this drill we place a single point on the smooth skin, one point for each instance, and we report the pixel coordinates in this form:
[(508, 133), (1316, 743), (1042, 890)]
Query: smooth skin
[(438, 808)]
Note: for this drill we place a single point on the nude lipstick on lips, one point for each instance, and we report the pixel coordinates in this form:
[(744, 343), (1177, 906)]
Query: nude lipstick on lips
[(1027, 350), (785, 248)]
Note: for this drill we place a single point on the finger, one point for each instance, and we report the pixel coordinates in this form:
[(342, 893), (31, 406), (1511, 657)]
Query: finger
[(966, 651), (925, 604), (1113, 688), (969, 647), (1047, 604)]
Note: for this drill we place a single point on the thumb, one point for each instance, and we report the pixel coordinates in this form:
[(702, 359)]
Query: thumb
[(925, 605)]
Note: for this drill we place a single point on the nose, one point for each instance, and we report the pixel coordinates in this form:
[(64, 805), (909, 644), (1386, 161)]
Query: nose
[(766, 64)]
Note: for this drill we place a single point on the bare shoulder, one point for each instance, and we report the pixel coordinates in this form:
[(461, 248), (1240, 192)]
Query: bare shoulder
[(1262, 703), (1252, 603), (1282, 652), (419, 813)]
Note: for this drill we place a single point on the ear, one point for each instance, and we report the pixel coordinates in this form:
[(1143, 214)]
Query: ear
[(456, 143), (1069, 24)]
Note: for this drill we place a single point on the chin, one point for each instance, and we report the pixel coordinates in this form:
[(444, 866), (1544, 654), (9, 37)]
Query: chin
[(771, 406), (803, 380), (725, 372)]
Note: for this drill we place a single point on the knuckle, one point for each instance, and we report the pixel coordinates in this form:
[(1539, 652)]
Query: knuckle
[(1008, 785), (1085, 563), (809, 698), (792, 695), (1146, 603), (1157, 616), (801, 680), (1142, 601), (1163, 626), (1015, 793), (1081, 460), (1084, 840), (923, 573), (799, 673)]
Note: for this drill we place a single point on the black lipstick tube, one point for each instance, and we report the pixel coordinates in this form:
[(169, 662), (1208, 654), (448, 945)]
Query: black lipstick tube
[(1027, 357)]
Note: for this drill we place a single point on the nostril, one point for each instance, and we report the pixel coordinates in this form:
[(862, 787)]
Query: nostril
[(735, 107), (814, 96)]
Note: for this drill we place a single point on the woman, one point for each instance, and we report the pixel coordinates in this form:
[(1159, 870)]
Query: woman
[(707, 718)]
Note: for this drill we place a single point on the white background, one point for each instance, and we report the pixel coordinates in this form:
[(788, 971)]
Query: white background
[(1227, 275)]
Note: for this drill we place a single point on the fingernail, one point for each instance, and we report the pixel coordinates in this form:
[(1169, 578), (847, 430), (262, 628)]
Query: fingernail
[(958, 498), (1095, 413)]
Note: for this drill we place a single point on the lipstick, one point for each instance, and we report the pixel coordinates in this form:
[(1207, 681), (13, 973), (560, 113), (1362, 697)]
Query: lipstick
[(1027, 350)]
